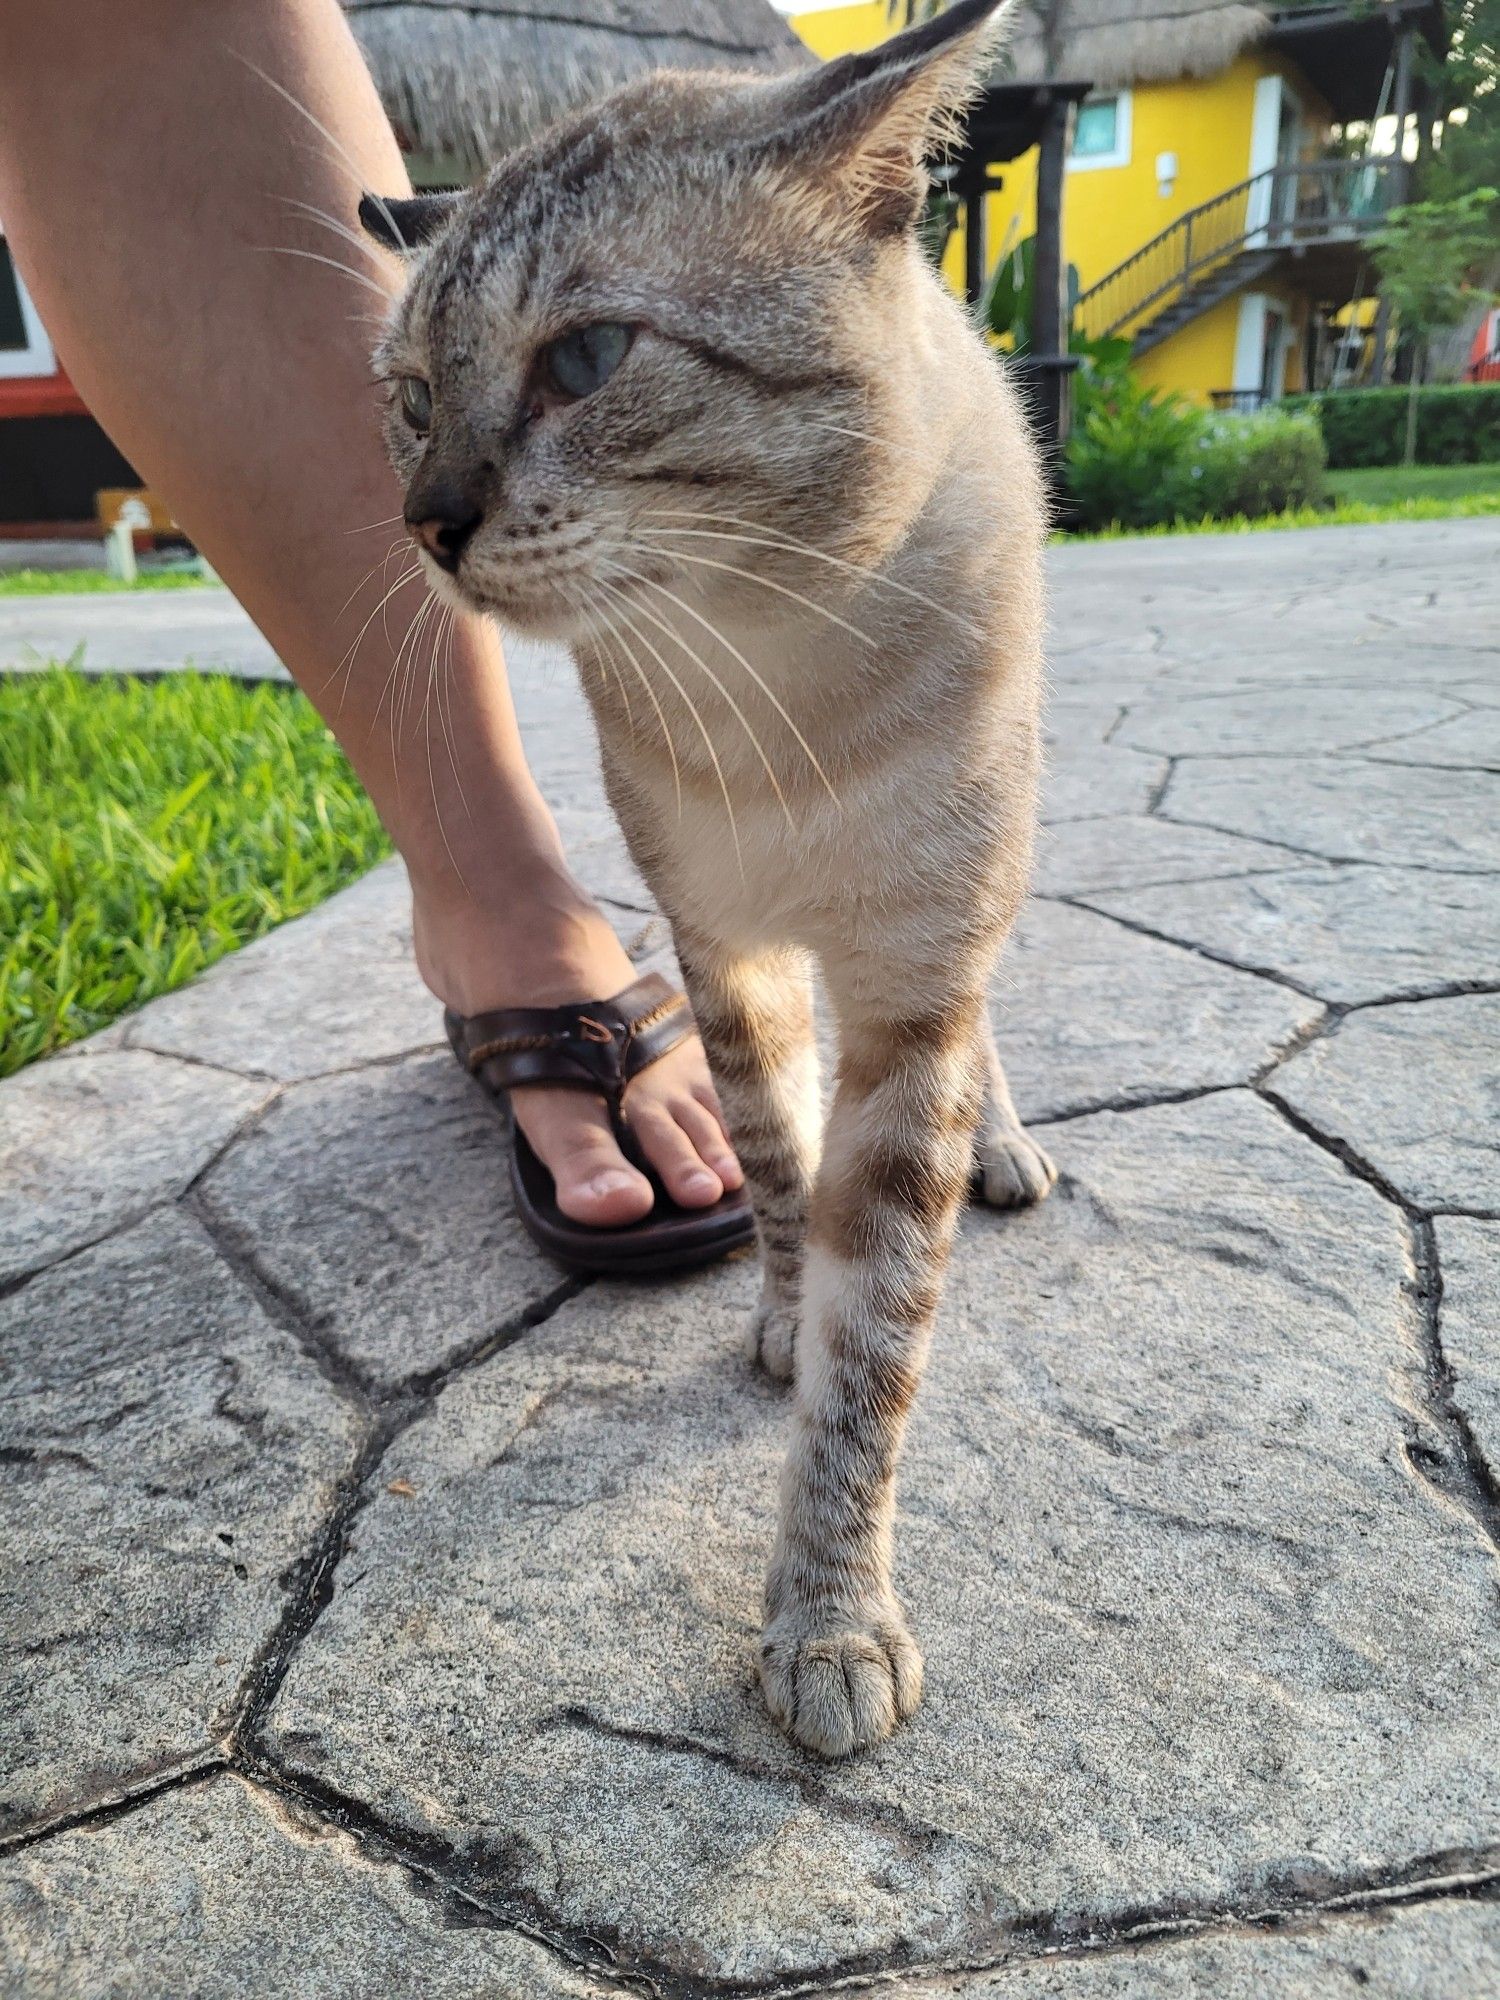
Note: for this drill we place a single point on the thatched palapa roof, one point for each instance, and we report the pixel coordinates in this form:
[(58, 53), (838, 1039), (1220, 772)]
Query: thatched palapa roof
[(467, 79), (1344, 45), (1116, 42)]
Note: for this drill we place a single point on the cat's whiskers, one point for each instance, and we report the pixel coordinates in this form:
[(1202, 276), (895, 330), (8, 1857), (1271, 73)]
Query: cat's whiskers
[(380, 563), (651, 696), (426, 727), (698, 660), (370, 526), (340, 152), (346, 665), (781, 589), (604, 666), (445, 712), (769, 692), (775, 538), (316, 257), (326, 221), (622, 606)]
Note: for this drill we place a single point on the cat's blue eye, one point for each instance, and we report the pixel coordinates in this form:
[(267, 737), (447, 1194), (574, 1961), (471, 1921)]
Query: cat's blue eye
[(584, 360), (416, 403)]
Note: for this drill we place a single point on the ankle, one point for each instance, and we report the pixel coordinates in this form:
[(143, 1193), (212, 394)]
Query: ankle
[(542, 944)]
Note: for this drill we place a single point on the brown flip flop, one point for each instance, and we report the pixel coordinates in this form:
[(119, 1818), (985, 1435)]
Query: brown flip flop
[(597, 1046)]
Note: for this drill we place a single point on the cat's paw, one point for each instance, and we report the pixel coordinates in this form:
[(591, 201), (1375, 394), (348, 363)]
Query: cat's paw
[(771, 1340), (1013, 1170), (838, 1688)]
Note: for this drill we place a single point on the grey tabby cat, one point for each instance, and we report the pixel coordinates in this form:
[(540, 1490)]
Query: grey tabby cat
[(675, 384)]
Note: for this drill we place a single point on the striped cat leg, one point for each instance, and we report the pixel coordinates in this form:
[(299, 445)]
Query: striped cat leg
[(1014, 1169), (755, 1017), (838, 1665)]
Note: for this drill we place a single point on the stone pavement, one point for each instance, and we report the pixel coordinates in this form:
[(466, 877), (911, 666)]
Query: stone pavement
[(379, 1606)]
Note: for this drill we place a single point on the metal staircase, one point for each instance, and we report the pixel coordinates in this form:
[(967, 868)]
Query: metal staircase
[(1317, 215)]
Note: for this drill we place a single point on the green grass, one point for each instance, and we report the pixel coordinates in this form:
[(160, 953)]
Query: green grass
[(149, 827), (1388, 485), (1345, 513), (70, 582)]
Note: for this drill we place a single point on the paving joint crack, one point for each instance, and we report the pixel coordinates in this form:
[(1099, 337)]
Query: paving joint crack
[(310, 1580), (170, 1778)]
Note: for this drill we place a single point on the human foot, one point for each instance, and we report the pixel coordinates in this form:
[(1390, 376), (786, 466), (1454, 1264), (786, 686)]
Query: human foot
[(556, 952)]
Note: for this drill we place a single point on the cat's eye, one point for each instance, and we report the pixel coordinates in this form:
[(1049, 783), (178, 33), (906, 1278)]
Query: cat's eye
[(584, 360), (416, 403)]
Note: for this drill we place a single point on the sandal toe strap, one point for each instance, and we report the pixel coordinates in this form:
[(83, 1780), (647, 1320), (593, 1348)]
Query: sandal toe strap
[(596, 1046)]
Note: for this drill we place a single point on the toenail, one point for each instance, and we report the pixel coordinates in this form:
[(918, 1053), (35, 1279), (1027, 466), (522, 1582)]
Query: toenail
[(608, 1183), (697, 1183)]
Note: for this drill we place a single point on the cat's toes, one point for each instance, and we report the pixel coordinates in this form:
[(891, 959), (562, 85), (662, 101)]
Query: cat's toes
[(771, 1340), (1014, 1172), (838, 1691)]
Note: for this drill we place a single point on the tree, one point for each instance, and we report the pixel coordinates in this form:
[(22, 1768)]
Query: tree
[(1428, 255), (1467, 80)]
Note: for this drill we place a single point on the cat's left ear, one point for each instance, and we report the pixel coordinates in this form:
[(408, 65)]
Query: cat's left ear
[(404, 225), (861, 127)]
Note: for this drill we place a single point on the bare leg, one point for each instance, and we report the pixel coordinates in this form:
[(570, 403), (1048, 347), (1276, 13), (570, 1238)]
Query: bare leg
[(145, 167)]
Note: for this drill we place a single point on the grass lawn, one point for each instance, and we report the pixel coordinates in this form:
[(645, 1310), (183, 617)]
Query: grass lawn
[(1388, 485), (149, 827), (63, 582)]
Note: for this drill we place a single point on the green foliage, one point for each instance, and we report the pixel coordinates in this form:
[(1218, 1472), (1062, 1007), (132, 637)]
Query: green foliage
[(1428, 255), (1456, 425), (76, 582), (1469, 156), (1254, 465), (1139, 460), (149, 827), (1125, 456), (1384, 486), (1007, 303)]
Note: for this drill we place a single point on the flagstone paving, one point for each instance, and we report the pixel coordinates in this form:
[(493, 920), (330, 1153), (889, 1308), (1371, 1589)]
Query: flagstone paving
[(378, 1605)]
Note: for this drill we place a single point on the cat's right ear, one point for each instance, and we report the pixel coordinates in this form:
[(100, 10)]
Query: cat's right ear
[(404, 225)]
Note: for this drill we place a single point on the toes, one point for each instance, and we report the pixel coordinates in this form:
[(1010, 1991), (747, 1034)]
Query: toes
[(685, 1175), (706, 1135), (1015, 1170), (571, 1136), (841, 1692)]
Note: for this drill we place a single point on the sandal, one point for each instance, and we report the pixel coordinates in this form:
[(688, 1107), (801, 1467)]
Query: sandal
[(597, 1046)]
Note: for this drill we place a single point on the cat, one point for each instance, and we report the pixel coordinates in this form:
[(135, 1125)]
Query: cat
[(676, 385)]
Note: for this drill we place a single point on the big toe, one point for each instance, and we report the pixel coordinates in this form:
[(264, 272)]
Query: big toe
[(570, 1134)]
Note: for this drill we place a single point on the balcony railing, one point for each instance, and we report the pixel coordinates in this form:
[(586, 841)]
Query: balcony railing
[(1273, 210)]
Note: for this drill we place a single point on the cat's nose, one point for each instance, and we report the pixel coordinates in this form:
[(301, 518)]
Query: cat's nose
[(444, 524)]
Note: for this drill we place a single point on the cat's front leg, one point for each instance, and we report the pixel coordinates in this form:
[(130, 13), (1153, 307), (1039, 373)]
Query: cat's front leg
[(1013, 1169), (839, 1667), (755, 1017)]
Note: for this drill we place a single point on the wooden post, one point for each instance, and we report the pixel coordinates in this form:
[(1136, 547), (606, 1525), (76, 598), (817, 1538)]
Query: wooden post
[(1400, 186), (1049, 361), (975, 267)]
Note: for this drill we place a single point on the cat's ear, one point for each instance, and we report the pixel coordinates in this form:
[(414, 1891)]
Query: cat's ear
[(861, 127), (405, 225)]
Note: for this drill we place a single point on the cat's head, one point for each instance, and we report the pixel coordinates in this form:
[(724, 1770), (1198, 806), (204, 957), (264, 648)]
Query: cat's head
[(671, 337)]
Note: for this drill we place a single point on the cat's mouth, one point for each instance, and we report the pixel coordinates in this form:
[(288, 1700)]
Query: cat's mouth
[(562, 595)]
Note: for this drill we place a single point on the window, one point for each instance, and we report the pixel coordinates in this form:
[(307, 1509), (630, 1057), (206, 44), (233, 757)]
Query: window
[(1101, 133), (24, 346)]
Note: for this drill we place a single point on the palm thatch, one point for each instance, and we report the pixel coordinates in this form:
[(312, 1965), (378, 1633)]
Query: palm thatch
[(1118, 42), (466, 80)]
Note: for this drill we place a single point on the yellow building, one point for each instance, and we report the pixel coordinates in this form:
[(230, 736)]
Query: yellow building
[(1218, 200)]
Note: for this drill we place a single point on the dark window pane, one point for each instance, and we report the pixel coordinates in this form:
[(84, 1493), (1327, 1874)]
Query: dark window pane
[(12, 326)]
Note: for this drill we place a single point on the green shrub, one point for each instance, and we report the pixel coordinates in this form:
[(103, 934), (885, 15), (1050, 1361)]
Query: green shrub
[(1126, 453), (1254, 465), (1138, 460), (1457, 424)]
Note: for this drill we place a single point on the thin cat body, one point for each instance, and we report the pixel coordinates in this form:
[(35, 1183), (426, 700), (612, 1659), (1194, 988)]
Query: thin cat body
[(688, 396)]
